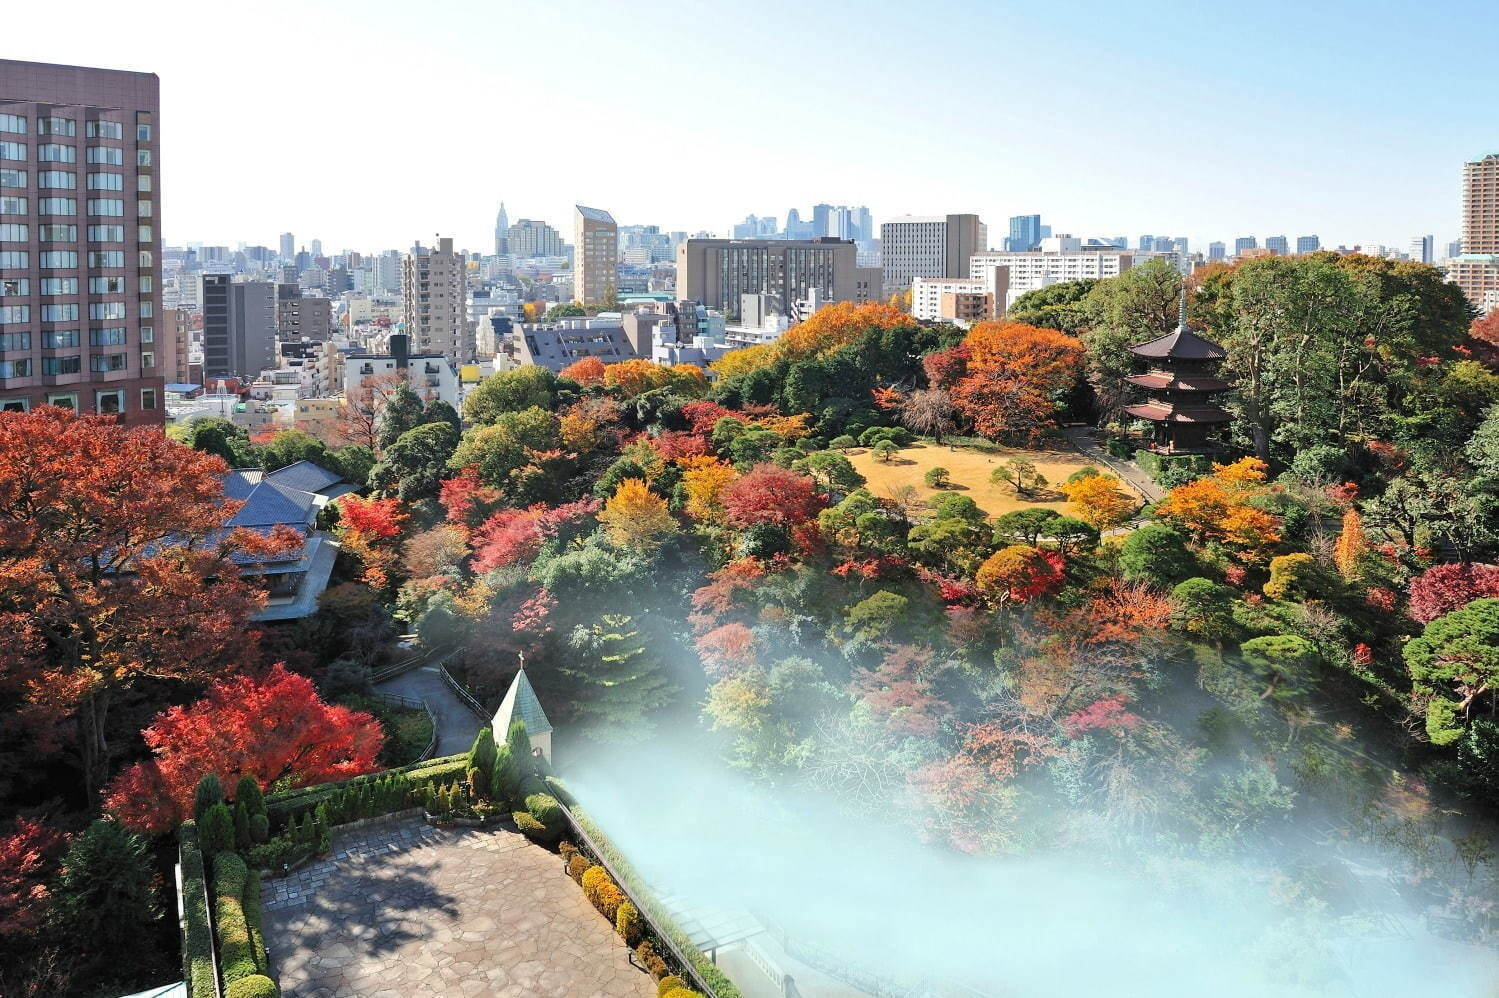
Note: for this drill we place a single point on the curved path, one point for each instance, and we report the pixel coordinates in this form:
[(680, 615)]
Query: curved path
[(456, 724), (1082, 438)]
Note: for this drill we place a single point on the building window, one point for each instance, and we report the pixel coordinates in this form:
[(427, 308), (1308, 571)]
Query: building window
[(13, 123), (54, 152), (15, 341), (13, 259), (104, 130), (59, 339), (148, 359), (15, 313), (145, 284), (143, 157), (106, 233), (148, 395), (106, 155), (12, 178), (143, 183), (59, 285), (148, 334), (107, 207), (13, 286), (14, 232), (71, 364), (143, 233), (146, 310), (109, 336), (57, 179), (18, 368), (104, 362), (60, 313), (106, 182), (143, 209), (109, 402), (12, 206), (13, 150), (57, 233), (56, 126), (106, 285), (105, 310), (68, 401), (145, 259), (57, 206), (103, 258)]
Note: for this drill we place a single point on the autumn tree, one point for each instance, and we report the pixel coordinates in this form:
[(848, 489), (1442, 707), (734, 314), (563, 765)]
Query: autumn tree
[(771, 494), (359, 415), (1444, 588), (636, 518), (273, 728), (1017, 376), (1221, 507), (929, 412), (114, 567), (1100, 501), (370, 530), (703, 482), (1018, 573), (1352, 546), (588, 371)]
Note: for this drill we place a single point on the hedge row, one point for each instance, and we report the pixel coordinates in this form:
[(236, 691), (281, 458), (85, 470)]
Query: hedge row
[(281, 807), (236, 949), (197, 943)]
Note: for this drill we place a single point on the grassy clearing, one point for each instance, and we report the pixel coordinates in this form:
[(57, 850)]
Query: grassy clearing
[(969, 468)]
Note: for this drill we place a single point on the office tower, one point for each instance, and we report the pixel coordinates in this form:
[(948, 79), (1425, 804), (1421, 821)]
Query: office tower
[(1308, 244), (1179, 246), (529, 238), (501, 232), (80, 246), (433, 301), (1025, 234), (1045, 232), (1278, 245), (840, 223), (1216, 250), (932, 246), (595, 255), (1147, 244), (1244, 243), (821, 213), (1476, 271), (1423, 249), (718, 272), (239, 326), (1454, 248), (317, 248), (288, 246), (863, 225), (300, 316), (795, 227)]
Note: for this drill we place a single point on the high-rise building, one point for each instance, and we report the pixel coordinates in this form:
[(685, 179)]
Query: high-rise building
[(317, 248), (1278, 245), (1025, 234), (1476, 271), (300, 316), (931, 246), (1147, 244), (1216, 251), (433, 284), (1308, 244), (1061, 258), (1244, 243), (288, 246), (80, 240), (239, 326), (821, 215), (529, 238), (718, 272), (595, 255), (501, 232), (1180, 246), (1455, 248), (1423, 249)]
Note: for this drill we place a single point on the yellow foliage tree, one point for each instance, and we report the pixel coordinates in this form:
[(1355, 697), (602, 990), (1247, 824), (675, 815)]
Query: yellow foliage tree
[(636, 518), (1100, 501), (1219, 507), (703, 481), (634, 377), (1352, 545), (824, 331)]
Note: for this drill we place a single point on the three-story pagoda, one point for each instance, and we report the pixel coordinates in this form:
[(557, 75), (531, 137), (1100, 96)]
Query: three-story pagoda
[(1181, 387)]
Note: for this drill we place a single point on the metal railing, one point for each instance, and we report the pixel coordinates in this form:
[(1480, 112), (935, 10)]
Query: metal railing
[(396, 700), (462, 693), (586, 844)]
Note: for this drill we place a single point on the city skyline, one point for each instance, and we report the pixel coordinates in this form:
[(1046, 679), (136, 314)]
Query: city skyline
[(1144, 163)]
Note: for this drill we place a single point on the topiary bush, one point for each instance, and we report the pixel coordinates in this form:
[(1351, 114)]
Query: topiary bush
[(216, 829), (208, 793), (254, 921), (260, 829), (197, 942), (533, 829), (576, 867), (236, 951), (593, 878), (254, 986), (607, 899), (651, 960), (668, 984), (545, 809), (628, 923)]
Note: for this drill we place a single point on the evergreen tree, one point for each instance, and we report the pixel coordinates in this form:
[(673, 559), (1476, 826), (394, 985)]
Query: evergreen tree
[(105, 899), (402, 412), (209, 793), (622, 683)]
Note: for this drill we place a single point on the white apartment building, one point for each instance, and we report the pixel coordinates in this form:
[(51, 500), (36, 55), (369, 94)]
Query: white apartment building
[(1043, 268), (914, 246), (952, 299)]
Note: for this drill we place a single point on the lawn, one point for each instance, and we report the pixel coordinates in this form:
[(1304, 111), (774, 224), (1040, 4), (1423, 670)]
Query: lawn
[(408, 730), (969, 468)]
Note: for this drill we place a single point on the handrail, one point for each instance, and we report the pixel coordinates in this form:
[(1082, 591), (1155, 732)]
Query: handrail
[(395, 669), (685, 965), (462, 693)]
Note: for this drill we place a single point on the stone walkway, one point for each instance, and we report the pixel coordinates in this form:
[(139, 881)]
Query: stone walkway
[(456, 724), (403, 910), (1082, 438)]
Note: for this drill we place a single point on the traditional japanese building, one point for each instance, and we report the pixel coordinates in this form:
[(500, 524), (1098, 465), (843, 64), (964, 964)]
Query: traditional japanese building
[(1180, 390)]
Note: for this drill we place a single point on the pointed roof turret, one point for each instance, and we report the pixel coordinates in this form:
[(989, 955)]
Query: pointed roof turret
[(1181, 343), (520, 704)]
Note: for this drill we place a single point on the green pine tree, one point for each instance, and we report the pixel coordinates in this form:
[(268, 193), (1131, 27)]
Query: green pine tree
[(621, 683)]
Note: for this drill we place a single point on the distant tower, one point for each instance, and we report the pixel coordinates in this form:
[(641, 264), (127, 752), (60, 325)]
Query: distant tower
[(501, 232), (1180, 387)]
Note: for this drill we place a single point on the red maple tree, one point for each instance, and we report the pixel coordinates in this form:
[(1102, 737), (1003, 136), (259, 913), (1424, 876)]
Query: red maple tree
[(769, 493), (273, 727), (28, 858), (1444, 588)]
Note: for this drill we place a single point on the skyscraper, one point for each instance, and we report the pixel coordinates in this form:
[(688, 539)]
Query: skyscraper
[(1308, 244), (531, 238), (1476, 271), (595, 255), (80, 244), (1025, 234), (1278, 245), (239, 326), (1216, 251), (288, 247), (820, 216), (936, 246), (433, 293), (501, 232), (1423, 249), (1244, 243)]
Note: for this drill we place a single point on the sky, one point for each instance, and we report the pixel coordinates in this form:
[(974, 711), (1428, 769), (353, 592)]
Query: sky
[(376, 124)]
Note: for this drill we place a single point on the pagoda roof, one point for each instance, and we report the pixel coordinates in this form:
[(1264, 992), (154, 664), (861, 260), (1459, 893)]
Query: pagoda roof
[(1180, 344), (1178, 413), (1187, 383), (520, 704)]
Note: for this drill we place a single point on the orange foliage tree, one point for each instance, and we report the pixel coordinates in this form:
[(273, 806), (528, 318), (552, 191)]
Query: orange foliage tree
[(826, 330), (370, 529), (703, 482), (1352, 545), (588, 371), (114, 567), (1016, 374), (1220, 507), (1019, 573)]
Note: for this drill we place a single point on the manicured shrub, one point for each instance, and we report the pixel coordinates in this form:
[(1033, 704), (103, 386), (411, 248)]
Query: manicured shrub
[(477, 784), (681, 993), (936, 478), (519, 744), (607, 899), (260, 828), (482, 754), (576, 867), (322, 835), (282, 807), (254, 920), (254, 986), (247, 792), (216, 829), (545, 809), (628, 924), (197, 943), (651, 960), (593, 878), (533, 829), (241, 826), (208, 793), (567, 851), (668, 984), (236, 952)]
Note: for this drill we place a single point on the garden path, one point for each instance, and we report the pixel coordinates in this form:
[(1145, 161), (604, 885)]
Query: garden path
[(456, 724)]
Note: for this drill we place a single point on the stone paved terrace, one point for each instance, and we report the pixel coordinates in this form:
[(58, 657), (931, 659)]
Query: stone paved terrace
[(403, 910)]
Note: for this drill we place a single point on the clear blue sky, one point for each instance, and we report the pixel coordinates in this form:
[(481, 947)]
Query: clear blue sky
[(378, 123)]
